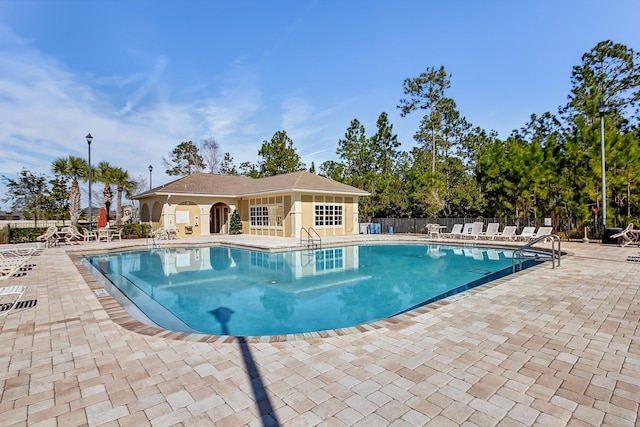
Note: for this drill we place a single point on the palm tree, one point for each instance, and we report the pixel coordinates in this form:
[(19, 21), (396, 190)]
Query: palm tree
[(103, 174), (73, 168), (123, 182)]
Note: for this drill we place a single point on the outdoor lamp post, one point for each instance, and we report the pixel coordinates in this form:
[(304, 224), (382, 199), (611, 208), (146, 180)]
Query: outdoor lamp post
[(601, 111), (89, 139), (150, 177)]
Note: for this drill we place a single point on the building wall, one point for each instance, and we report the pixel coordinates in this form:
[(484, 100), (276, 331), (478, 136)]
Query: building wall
[(269, 216), (282, 215), (310, 204), (243, 210), (183, 212)]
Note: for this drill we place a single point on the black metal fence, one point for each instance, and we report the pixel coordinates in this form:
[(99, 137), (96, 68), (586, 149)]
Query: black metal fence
[(566, 229)]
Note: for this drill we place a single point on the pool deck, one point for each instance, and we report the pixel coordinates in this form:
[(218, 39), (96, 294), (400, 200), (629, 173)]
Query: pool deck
[(545, 347)]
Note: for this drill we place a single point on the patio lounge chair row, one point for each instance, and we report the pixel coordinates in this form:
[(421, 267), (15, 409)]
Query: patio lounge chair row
[(13, 258), (476, 231), (71, 235)]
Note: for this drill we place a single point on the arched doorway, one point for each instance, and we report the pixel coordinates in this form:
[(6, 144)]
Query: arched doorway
[(145, 215), (156, 212), (219, 217)]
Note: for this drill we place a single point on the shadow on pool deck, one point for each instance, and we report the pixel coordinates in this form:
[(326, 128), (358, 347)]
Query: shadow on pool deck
[(267, 414)]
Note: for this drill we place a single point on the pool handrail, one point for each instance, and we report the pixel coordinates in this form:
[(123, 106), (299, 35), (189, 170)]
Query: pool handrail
[(311, 241), (520, 251)]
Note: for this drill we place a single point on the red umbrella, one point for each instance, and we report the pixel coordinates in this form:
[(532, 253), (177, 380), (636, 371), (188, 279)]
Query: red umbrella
[(102, 219)]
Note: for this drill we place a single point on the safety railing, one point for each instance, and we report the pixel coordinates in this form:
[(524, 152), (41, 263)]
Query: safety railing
[(153, 244), (518, 254), (312, 237)]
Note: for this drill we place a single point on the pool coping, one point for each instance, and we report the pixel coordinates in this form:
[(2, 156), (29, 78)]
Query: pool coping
[(118, 314)]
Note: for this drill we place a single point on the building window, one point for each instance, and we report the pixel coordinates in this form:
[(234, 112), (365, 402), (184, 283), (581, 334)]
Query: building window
[(266, 216), (328, 215), (259, 215)]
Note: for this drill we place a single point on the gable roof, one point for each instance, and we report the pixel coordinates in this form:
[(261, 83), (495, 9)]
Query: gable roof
[(206, 184)]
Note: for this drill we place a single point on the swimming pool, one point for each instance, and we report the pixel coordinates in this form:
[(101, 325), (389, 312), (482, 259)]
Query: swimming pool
[(230, 291)]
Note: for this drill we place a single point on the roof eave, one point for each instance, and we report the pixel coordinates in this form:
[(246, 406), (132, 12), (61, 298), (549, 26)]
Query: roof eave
[(165, 194), (303, 190)]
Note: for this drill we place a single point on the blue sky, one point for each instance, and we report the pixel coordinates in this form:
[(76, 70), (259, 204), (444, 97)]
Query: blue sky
[(142, 76)]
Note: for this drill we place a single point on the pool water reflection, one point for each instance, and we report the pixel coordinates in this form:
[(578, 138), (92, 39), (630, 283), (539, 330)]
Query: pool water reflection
[(230, 291)]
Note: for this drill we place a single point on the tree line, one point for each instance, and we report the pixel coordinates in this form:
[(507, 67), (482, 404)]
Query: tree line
[(551, 167), (37, 197)]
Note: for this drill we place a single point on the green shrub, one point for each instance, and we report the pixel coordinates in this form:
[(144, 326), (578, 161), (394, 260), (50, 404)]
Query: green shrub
[(25, 235), (135, 230), (235, 223)]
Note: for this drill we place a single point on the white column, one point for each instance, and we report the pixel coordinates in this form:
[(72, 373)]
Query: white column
[(296, 215)]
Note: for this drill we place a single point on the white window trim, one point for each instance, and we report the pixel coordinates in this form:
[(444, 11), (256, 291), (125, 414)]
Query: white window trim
[(277, 218), (332, 226)]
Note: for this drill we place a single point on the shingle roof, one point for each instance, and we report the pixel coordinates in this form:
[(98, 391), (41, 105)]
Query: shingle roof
[(243, 186)]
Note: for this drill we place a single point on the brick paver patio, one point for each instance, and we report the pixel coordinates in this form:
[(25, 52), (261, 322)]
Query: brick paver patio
[(545, 347)]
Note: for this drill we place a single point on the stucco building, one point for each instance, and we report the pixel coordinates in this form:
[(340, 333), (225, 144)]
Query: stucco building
[(201, 204)]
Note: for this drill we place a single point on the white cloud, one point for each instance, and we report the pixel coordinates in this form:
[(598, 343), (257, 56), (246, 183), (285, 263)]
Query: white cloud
[(47, 110), (150, 82)]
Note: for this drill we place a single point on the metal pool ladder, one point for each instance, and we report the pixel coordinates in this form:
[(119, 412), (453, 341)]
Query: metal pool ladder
[(153, 244), (313, 238), (516, 264)]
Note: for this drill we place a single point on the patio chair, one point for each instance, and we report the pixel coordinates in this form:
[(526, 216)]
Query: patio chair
[(629, 235), (89, 235), (456, 232), (542, 231), (49, 237), (116, 233), (11, 291), (508, 233), (491, 232), (434, 230), (527, 233), (172, 232), (476, 230), (160, 234), (70, 235)]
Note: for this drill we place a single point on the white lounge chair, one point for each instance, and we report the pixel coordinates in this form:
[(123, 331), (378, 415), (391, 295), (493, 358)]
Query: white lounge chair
[(629, 235), (491, 232), (172, 232), (11, 265), (476, 230), (11, 291), (160, 234), (70, 235), (49, 237), (527, 233), (542, 231), (456, 232), (18, 249), (508, 233)]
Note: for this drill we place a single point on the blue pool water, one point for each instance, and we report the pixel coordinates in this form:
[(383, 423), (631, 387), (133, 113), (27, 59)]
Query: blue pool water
[(229, 291)]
